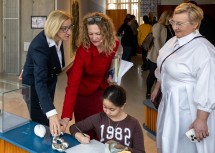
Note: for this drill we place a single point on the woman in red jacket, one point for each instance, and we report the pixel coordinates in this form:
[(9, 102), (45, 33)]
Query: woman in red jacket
[(87, 78)]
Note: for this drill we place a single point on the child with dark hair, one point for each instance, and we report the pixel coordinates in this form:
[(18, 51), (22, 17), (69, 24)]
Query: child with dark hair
[(113, 124)]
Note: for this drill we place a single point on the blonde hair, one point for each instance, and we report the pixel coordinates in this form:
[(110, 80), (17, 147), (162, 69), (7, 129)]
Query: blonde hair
[(53, 23), (165, 16), (106, 28), (195, 13)]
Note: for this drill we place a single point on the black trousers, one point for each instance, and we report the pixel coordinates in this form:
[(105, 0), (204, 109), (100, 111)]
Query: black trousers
[(134, 46), (151, 79), (144, 55), (35, 110), (33, 103)]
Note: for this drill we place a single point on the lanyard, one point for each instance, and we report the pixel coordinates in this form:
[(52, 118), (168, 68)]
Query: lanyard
[(176, 50)]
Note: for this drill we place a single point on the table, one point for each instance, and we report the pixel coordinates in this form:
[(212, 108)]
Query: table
[(150, 117), (23, 140)]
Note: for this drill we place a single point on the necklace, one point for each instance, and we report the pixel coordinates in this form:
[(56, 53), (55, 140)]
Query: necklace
[(115, 126), (113, 131)]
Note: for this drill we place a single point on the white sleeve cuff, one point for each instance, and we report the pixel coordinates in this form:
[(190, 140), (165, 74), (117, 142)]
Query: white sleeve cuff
[(51, 113), (204, 109)]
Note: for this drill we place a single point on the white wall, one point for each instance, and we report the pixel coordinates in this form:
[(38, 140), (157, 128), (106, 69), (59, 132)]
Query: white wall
[(91, 6), (44, 7), (30, 8), (65, 6)]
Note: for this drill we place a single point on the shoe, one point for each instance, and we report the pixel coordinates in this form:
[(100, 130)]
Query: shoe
[(148, 96)]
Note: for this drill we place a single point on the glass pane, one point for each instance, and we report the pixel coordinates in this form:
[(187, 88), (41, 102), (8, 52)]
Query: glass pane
[(112, 6), (134, 10), (111, 1), (123, 6), (123, 1), (134, 7)]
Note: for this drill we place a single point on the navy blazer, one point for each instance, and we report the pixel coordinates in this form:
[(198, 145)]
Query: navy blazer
[(40, 71)]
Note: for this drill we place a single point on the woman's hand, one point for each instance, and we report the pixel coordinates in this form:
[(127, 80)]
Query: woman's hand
[(82, 138), (20, 75), (64, 122), (54, 125), (110, 79), (200, 125), (154, 94), (155, 91)]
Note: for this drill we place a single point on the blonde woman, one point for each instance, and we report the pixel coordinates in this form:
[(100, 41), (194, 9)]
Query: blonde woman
[(44, 61), (186, 63)]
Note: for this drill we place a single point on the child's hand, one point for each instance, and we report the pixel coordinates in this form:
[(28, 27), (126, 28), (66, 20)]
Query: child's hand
[(81, 138)]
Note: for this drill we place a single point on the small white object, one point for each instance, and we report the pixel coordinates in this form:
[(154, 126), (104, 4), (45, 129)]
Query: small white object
[(40, 130), (65, 144), (26, 46), (192, 135)]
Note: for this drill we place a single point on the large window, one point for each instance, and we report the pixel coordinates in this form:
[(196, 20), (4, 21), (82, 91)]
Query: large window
[(132, 6), (135, 7)]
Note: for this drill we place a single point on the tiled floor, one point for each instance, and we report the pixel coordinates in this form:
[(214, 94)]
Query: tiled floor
[(133, 82)]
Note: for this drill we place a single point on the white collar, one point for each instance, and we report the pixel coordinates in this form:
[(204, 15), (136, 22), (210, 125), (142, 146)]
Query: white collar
[(51, 42), (185, 39)]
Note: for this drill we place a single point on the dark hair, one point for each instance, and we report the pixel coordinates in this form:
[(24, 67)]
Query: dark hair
[(193, 2), (128, 16), (126, 20), (146, 19), (133, 17), (116, 94)]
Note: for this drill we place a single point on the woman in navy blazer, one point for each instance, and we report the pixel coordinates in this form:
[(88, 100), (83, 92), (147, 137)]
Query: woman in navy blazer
[(44, 61)]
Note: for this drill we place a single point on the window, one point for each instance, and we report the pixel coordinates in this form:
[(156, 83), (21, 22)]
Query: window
[(132, 6), (135, 7)]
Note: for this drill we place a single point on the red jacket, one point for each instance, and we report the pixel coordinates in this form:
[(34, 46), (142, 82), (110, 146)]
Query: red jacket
[(87, 74)]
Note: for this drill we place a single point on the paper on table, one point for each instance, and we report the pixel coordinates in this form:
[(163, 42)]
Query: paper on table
[(93, 147)]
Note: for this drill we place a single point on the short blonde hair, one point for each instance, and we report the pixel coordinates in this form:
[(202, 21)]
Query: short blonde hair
[(195, 13), (106, 28), (53, 23)]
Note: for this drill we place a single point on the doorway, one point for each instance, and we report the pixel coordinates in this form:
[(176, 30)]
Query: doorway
[(10, 37)]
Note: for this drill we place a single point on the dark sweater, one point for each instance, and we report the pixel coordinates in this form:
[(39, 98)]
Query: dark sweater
[(126, 33), (127, 132)]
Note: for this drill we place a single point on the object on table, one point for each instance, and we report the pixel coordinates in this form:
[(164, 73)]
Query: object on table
[(59, 144), (40, 130)]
